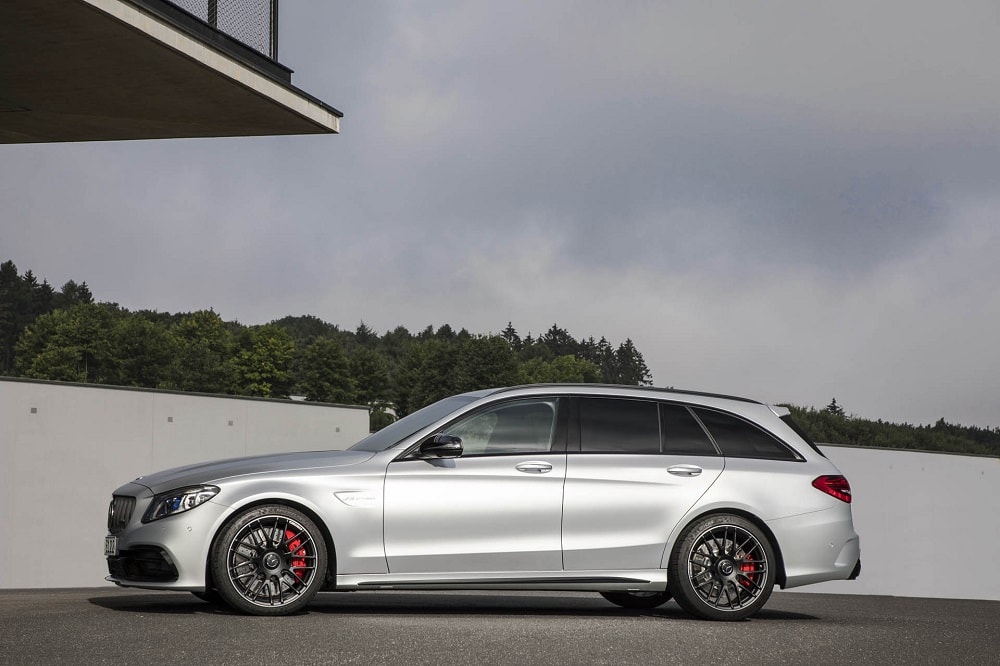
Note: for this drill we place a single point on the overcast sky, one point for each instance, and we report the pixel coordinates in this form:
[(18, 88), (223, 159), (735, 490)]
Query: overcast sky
[(792, 201)]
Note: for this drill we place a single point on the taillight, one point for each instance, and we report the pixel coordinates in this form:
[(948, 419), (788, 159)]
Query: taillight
[(835, 486)]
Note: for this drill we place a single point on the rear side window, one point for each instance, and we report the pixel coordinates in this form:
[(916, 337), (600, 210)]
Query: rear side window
[(740, 439), (609, 425), (682, 435)]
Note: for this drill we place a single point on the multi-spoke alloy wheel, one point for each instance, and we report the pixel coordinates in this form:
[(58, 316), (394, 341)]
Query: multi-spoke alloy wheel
[(270, 560), (723, 568)]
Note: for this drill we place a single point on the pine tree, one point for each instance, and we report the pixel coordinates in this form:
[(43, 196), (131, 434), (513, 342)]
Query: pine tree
[(834, 409)]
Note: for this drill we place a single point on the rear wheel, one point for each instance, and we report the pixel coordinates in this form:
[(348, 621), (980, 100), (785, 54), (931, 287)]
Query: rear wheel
[(722, 568), (269, 560), (637, 599)]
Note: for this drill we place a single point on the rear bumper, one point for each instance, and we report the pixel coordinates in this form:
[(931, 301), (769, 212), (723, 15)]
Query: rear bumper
[(818, 546)]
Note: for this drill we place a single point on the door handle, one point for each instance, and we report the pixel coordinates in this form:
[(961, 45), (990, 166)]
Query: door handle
[(685, 470), (533, 467)]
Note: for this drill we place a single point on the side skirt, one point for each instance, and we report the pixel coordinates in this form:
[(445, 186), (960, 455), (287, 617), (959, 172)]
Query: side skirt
[(654, 580)]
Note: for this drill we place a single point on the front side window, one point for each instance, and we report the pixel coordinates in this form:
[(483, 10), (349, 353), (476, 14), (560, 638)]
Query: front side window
[(522, 426), (613, 425), (740, 439)]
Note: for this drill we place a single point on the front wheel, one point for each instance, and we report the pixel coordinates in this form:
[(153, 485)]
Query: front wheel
[(722, 568), (269, 560), (639, 600)]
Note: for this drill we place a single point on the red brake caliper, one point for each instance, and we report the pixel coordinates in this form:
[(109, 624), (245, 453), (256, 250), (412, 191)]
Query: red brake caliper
[(749, 569), (296, 549)]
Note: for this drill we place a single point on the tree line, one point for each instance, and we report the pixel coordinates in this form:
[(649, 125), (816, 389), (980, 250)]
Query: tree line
[(65, 335), (833, 425)]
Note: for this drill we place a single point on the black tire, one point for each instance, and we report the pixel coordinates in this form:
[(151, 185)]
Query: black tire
[(269, 560), (722, 568), (638, 600)]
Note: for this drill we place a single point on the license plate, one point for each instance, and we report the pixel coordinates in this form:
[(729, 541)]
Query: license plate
[(110, 546)]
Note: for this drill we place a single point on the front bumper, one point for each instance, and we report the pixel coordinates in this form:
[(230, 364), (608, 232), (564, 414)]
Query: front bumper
[(169, 553)]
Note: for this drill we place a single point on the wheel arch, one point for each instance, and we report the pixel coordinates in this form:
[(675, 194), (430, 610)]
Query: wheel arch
[(779, 577), (330, 575)]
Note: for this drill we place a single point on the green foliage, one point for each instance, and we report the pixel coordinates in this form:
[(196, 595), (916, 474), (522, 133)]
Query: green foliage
[(81, 344), (370, 371), (72, 294), (561, 370), (305, 329), (630, 366), (485, 362), (407, 375), (437, 374), (204, 359), (559, 342), (365, 336), (324, 374), (831, 427), (263, 362), (513, 339), (145, 349), (22, 300), (834, 409), (454, 363), (65, 336)]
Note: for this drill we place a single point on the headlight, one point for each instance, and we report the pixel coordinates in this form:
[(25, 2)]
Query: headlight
[(178, 501)]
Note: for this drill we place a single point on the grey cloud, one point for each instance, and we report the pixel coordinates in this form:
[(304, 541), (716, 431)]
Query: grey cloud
[(754, 194)]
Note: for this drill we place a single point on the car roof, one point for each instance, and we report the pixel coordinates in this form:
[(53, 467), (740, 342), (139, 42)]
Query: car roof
[(614, 389)]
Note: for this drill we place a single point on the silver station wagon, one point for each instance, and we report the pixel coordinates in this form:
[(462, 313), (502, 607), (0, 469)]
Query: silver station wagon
[(639, 494)]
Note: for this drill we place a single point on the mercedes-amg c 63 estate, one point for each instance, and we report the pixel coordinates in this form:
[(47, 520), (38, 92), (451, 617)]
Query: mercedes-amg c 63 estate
[(640, 494)]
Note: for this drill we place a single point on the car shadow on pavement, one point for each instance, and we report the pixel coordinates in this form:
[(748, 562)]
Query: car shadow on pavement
[(425, 604), (170, 603)]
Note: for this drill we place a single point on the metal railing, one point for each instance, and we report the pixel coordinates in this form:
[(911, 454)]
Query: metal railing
[(253, 22)]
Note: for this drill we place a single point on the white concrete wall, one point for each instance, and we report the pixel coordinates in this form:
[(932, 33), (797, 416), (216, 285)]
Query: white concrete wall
[(929, 523), (64, 448)]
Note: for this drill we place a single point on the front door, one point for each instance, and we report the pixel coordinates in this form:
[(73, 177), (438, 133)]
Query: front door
[(497, 508)]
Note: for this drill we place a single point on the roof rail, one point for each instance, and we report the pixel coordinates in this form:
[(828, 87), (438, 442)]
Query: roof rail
[(651, 389)]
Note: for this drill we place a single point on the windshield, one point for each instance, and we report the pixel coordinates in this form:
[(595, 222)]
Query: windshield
[(406, 426)]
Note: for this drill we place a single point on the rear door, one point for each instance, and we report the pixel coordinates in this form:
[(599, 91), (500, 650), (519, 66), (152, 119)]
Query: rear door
[(634, 468)]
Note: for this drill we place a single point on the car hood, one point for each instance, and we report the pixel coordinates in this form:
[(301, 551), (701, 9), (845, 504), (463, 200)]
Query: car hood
[(218, 470)]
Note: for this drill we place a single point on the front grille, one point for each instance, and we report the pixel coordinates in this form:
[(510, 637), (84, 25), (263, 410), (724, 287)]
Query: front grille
[(120, 512)]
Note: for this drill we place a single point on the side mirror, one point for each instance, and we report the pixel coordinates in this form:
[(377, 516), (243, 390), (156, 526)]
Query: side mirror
[(442, 445)]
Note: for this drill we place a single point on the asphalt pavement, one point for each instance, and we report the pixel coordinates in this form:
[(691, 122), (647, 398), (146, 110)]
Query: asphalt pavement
[(113, 626)]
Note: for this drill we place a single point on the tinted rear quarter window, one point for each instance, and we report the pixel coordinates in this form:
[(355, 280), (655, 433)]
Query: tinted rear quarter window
[(740, 439), (790, 422), (682, 435)]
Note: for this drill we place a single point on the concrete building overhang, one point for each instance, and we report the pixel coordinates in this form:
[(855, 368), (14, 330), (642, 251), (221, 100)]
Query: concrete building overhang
[(106, 70)]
